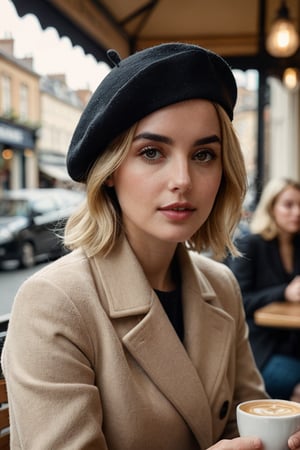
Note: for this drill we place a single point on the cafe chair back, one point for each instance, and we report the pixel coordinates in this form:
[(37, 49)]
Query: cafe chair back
[(4, 417)]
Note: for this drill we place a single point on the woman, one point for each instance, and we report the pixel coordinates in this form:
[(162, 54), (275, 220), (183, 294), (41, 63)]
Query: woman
[(269, 271), (131, 341)]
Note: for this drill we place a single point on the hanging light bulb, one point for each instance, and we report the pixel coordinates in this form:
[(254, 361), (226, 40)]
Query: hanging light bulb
[(283, 39), (291, 78)]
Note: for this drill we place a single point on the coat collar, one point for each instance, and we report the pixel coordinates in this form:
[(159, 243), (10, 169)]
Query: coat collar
[(152, 341)]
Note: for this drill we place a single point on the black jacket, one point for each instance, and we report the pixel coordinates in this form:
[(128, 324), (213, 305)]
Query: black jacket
[(263, 279)]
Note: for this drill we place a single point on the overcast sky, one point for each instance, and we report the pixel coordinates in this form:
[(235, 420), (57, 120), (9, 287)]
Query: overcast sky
[(51, 53)]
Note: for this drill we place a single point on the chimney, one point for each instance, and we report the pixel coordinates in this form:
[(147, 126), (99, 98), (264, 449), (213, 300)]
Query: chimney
[(27, 62), (7, 46), (61, 77)]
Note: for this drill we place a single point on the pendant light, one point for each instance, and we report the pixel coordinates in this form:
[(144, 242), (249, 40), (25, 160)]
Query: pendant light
[(291, 78), (283, 39)]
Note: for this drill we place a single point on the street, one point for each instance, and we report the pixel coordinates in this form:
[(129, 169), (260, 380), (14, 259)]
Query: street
[(10, 280)]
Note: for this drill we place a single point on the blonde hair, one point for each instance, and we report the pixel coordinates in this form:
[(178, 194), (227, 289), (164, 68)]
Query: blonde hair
[(263, 222), (97, 225)]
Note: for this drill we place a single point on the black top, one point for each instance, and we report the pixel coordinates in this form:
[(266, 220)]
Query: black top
[(263, 279), (171, 302)]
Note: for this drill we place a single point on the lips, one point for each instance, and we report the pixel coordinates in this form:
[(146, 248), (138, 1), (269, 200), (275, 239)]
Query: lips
[(178, 207), (177, 212)]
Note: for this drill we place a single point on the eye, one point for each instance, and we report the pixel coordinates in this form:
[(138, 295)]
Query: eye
[(204, 155), (151, 153), (288, 205)]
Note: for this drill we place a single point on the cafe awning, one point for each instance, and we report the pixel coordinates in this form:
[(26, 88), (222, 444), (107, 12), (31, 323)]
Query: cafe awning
[(53, 165), (234, 28)]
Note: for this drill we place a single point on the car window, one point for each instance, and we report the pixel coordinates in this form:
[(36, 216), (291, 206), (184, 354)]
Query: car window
[(13, 207), (43, 205), (66, 199)]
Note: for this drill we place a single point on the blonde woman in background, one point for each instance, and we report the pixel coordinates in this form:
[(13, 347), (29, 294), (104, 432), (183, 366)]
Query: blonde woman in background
[(269, 271)]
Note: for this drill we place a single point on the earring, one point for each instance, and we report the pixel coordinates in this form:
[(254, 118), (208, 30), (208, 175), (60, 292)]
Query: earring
[(109, 181)]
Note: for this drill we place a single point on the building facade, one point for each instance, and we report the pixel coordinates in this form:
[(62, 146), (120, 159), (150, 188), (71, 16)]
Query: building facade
[(19, 119), (61, 108), (37, 119)]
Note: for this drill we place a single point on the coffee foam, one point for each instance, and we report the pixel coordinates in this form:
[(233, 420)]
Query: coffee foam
[(271, 408)]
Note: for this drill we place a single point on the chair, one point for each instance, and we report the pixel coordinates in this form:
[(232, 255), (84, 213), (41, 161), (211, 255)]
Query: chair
[(4, 417)]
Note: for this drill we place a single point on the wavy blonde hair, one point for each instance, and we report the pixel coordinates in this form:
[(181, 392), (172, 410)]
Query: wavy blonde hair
[(97, 225), (263, 222)]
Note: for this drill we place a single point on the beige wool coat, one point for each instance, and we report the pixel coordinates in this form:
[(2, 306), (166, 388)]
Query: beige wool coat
[(92, 362)]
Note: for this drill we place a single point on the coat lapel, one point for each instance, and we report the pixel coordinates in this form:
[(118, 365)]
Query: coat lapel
[(209, 329), (185, 374)]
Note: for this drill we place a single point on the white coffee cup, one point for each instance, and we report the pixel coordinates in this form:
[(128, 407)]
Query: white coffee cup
[(273, 421)]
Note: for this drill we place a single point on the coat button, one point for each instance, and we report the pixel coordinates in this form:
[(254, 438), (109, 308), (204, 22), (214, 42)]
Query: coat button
[(224, 409)]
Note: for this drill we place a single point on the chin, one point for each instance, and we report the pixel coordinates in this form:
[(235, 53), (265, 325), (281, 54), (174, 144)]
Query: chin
[(178, 239)]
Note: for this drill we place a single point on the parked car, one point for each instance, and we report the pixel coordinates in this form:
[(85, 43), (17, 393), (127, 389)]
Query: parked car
[(31, 221)]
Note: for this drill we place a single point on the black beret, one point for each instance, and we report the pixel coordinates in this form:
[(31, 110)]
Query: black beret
[(141, 84)]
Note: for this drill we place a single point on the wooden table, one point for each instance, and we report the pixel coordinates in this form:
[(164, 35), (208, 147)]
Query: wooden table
[(279, 314)]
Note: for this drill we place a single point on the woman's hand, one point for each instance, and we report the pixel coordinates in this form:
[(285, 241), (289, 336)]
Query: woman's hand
[(292, 291), (245, 443), (294, 441), (252, 443)]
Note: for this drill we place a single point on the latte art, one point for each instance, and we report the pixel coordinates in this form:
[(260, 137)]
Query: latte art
[(272, 420), (261, 408)]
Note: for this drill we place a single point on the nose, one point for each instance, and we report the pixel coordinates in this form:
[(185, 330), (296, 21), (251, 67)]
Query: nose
[(180, 177)]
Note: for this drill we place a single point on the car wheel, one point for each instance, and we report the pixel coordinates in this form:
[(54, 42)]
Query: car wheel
[(27, 255)]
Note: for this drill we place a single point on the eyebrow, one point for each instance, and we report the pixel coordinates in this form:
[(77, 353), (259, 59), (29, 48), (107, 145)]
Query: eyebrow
[(164, 139)]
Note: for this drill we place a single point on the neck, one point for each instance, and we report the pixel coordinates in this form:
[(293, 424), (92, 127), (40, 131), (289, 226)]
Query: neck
[(159, 270), (158, 264), (285, 238)]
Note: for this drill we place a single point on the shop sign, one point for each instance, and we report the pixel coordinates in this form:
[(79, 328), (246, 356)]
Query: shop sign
[(15, 136)]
